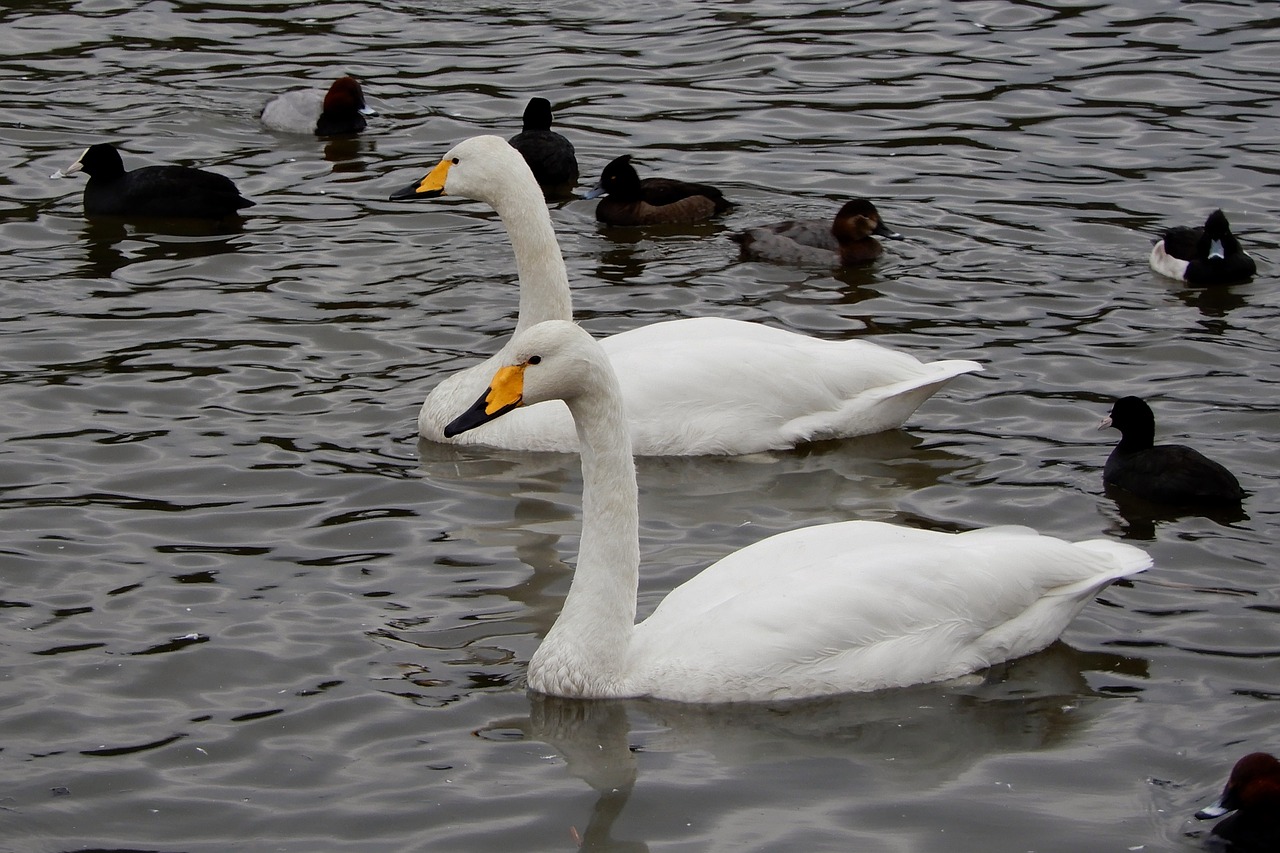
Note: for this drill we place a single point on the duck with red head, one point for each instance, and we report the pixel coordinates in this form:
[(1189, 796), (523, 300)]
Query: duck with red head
[(339, 111), (849, 240), (1252, 792)]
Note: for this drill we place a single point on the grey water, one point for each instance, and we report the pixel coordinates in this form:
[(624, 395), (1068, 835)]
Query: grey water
[(242, 608)]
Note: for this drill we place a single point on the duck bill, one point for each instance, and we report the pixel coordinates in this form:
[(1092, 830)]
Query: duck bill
[(1216, 809), (1105, 422), (1216, 250), (882, 230), (505, 392), (429, 187), (595, 192)]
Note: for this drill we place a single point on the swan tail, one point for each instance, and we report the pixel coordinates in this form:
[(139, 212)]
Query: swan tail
[(879, 409), (1128, 560)]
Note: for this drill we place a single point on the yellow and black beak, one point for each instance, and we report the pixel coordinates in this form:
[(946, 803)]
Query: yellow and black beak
[(430, 186), (506, 392)]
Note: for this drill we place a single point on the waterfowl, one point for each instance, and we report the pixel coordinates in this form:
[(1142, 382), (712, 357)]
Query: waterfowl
[(1253, 793), (338, 111), (1167, 473), (848, 240), (652, 201), (697, 386), (152, 191), (550, 156), (835, 608), (1206, 255)]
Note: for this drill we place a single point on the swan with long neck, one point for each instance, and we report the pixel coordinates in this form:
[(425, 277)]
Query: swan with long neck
[(690, 387), (835, 608)]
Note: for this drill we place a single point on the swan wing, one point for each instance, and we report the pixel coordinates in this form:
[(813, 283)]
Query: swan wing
[(711, 386), (717, 386), (863, 605)]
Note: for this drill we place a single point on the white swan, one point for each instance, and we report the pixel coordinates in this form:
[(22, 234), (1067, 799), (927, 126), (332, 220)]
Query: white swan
[(836, 608), (701, 386)]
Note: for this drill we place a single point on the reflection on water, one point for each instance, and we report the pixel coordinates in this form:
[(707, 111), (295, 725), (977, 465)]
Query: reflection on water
[(1139, 518), (241, 600), (111, 245), (937, 731)]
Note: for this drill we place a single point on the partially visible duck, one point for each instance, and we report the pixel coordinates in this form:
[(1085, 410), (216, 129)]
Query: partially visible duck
[(1253, 793), (652, 201), (179, 192), (550, 156), (846, 241), (1167, 473), (339, 111), (1204, 256)]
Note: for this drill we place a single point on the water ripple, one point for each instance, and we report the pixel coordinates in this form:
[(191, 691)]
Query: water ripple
[(242, 601)]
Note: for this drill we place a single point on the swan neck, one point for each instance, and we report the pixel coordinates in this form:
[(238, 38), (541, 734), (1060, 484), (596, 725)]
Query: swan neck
[(544, 281), (588, 645)]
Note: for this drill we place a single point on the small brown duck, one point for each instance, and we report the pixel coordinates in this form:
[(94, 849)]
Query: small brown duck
[(848, 240), (628, 200)]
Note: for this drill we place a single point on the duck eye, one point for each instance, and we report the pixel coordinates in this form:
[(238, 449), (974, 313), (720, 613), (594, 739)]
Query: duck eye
[(534, 359)]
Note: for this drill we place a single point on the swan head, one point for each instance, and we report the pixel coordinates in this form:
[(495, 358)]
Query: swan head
[(553, 360), (481, 168)]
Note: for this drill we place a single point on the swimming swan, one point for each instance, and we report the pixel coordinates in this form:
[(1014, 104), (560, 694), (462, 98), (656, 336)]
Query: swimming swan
[(835, 608), (697, 386)]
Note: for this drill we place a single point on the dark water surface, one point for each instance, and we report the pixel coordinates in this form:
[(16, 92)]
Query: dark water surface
[(242, 609)]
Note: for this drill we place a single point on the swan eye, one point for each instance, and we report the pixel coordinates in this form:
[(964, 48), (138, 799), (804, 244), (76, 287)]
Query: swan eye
[(534, 359), (455, 161)]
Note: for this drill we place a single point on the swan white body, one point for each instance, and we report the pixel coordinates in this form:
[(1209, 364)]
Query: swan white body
[(835, 608), (692, 386)]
